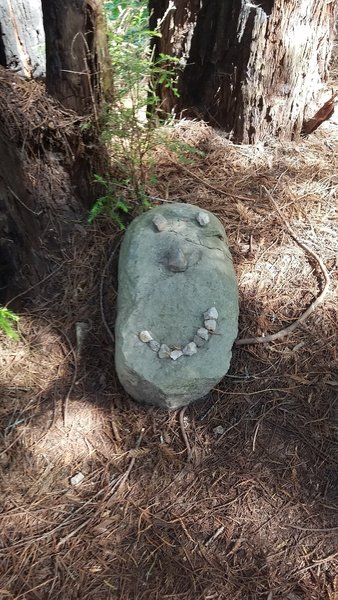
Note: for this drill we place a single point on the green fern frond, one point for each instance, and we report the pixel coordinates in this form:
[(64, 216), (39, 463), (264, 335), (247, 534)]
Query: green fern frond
[(6, 316)]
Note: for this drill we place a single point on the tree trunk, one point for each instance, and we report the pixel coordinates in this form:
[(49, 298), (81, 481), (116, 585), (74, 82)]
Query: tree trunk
[(47, 167), (22, 37), (253, 69), (78, 70), (35, 216)]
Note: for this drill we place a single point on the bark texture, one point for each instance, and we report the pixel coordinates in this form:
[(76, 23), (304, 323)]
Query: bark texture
[(78, 70), (34, 220), (47, 168), (22, 37), (253, 69)]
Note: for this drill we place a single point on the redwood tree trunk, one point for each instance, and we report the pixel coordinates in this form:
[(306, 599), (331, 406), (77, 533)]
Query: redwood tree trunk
[(252, 68), (28, 240), (47, 167), (22, 37), (78, 70)]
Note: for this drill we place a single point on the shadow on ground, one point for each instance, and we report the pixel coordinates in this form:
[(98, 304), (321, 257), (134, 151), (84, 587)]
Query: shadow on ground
[(253, 514)]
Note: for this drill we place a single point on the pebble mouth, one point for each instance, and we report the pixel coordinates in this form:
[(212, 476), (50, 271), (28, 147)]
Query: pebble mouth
[(200, 338)]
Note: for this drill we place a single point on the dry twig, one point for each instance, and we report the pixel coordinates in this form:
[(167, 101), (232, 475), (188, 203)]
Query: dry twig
[(117, 485), (107, 266), (32, 287), (184, 433), (287, 330), (23, 204), (206, 183)]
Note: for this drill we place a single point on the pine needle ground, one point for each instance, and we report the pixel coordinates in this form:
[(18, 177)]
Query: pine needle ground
[(253, 514)]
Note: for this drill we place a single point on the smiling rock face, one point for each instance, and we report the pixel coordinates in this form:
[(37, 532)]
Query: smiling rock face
[(177, 285)]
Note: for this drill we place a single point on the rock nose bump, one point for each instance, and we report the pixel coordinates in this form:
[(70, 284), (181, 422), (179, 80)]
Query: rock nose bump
[(177, 260)]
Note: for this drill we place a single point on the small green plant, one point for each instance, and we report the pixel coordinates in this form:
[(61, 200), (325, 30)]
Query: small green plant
[(133, 127), (6, 318), (111, 204)]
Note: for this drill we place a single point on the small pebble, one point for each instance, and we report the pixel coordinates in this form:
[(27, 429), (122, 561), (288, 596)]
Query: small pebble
[(155, 346), (210, 324), (177, 261), (145, 336), (76, 479), (211, 313), (190, 349), (175, 354), (203, 219), (164, 351), (203, 333), (198, 341), (218, 430), (160, 222)]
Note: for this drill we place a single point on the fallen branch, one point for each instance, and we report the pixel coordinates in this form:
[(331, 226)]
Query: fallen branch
[(284, 332), (322, 115)]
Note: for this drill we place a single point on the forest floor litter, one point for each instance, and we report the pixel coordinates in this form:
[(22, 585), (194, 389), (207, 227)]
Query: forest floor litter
[(235, 497)]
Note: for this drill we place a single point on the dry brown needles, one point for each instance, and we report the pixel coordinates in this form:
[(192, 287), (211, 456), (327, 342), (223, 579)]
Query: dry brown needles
[(252, 514)]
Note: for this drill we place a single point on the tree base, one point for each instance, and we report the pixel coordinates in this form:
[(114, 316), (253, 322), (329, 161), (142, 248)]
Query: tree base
[(46, 181), (253, 70)]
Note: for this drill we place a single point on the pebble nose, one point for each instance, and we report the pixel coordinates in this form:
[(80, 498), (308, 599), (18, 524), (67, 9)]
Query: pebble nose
[(177, 261)]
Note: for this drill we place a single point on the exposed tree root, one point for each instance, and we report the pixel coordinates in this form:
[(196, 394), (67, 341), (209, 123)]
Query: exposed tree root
[(287, 330)]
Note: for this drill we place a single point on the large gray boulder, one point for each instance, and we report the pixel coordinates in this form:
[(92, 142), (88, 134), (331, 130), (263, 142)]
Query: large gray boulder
[(176, 287)]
